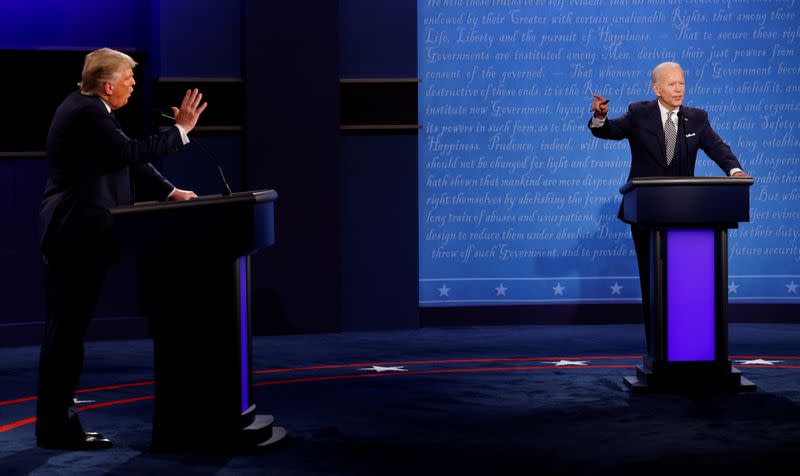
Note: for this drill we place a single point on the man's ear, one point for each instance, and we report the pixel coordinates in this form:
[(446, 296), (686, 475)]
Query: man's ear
[(108, 88)]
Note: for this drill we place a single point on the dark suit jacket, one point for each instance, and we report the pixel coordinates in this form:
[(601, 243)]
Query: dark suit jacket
[(641, 125), (91, 163)]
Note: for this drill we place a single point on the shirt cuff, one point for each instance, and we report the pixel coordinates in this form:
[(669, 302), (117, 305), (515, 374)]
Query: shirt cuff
[(174, 189), (597, 122), (184, 135), (734, 170)]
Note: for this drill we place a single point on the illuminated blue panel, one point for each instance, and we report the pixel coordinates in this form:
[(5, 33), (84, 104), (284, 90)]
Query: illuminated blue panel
[(690, 295), (63, 24), (244, 336)]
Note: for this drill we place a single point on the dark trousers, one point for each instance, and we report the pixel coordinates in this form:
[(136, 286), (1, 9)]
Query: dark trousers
[(73, 280), (641, 242)]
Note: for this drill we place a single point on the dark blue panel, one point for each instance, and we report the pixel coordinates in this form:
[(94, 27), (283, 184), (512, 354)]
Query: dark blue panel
[(6, 206), (291, 51), (200, 38), (378, 39), (192, 169), (21, 292), (54, 24), (379, 226)]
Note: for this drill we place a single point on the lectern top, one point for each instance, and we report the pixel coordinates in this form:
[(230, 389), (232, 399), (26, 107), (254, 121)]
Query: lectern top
[(683, 181), (257, 196)]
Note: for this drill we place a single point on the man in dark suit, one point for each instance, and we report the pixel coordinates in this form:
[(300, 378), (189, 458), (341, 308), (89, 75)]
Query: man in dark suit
[(664, 138), (92, 167)]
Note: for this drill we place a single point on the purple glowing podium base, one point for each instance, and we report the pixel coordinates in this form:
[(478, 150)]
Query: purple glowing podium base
[(195, 260), (687, 219)]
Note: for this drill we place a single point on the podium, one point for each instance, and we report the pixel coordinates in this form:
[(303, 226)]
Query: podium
[(687, 219), (195, 256)]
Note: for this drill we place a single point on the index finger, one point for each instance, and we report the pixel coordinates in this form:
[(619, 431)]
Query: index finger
[(599, 97)]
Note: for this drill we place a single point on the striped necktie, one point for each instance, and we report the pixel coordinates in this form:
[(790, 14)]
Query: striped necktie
[(669, 136)]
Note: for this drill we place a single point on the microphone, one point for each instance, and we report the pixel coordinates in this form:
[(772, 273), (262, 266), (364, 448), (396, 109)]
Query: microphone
[(226, 189)]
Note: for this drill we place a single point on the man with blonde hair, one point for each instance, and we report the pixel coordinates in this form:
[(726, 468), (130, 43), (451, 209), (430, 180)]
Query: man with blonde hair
[(664, 137), (91, 166)]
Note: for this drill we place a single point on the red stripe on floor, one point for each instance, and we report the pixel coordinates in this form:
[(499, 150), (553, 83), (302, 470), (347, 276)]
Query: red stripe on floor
[(17, 424), (30, 420), (86, 390)]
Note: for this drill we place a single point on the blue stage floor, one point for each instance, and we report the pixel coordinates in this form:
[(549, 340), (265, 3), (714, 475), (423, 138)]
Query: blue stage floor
[(480, 400)]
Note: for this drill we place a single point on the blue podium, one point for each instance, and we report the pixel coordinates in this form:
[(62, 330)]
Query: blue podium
[(196, 268), (687, 219)]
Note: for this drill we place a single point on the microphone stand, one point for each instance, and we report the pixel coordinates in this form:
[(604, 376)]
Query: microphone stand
[(682, 121), (226, 189)]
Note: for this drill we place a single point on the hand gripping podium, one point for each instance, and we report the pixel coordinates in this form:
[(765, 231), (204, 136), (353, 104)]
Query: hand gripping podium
[(196, 256), (688, 220)]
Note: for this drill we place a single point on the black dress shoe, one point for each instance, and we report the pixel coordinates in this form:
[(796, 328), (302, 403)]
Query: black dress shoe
[(87, 442)]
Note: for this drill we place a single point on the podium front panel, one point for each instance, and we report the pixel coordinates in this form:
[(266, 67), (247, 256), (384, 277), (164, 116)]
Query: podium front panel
[(691, 316)]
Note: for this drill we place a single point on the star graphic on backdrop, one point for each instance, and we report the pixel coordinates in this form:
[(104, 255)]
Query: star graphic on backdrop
[(501, 290), (757, 362), (616, 288), (562, 363), (444, 290), (791, 288), (733, 287), (379, 369), (558, 290)]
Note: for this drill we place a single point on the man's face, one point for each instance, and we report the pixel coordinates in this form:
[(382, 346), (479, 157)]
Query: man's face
[(120, 90), (670, 87)]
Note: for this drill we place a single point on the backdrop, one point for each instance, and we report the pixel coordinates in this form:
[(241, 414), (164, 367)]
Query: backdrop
[(517, 200)]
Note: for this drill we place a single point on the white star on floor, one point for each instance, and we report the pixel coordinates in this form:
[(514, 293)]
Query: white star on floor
[(757, 362), (379, 369), (558, 290), (733, 287), (444, 290), (561, 363), (791, 288), (616, 288), (501, 290)]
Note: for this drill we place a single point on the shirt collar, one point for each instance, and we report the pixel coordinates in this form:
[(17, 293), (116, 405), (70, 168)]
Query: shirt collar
[(108, 108), (664, 111)]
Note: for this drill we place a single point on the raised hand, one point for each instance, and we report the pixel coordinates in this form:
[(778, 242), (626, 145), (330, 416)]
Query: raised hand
[(189, 112)]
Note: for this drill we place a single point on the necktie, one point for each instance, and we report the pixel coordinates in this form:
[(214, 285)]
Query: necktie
[(669, 136)]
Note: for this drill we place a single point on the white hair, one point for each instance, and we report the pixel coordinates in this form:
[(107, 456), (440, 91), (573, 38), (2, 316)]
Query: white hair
[(666, 65)]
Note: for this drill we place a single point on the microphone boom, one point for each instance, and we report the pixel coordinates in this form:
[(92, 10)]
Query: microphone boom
[(226, 189)]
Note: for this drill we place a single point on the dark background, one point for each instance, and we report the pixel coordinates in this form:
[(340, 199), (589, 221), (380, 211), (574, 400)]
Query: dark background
[(346, 219)]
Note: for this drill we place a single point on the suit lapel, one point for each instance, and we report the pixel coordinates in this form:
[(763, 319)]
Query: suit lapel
[(682, 133), (652, 122)]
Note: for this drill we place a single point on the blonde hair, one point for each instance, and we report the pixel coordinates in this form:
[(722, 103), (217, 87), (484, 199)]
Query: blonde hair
[(666, 65), (102, 66)]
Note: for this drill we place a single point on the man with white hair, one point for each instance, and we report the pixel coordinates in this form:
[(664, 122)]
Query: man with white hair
[(91, 166), (664, 137)]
